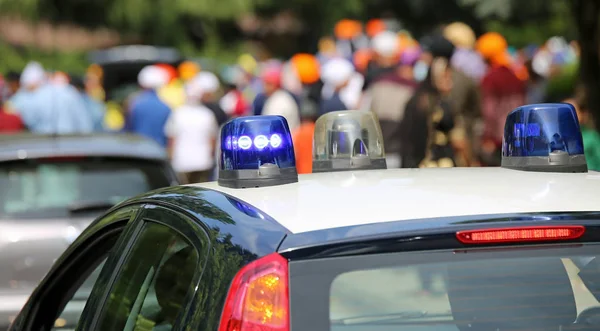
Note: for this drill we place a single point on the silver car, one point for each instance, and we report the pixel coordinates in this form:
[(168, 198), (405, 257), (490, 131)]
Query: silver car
[(52, 187)]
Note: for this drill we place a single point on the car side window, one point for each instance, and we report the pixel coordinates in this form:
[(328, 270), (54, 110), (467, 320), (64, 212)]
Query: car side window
[(58, 302), (155, 278), (71, 313)]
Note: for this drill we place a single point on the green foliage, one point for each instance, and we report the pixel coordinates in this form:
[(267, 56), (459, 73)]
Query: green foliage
[(26, 8), (16, 59), (537, 30), (170, 22)]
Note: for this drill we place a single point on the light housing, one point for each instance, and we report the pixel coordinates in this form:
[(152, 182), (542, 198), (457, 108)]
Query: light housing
[(348, 140), (521, 234), (258, 298), (256, 151), (545, 138)]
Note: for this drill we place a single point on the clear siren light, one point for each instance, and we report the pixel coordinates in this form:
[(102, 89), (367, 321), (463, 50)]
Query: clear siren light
[(348, 140)]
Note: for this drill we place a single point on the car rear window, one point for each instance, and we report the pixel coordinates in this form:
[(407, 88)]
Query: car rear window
[(542, 288), (49, 188)]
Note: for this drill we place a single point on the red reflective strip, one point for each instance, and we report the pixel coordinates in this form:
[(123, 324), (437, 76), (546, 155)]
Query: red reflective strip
[(520, 234)]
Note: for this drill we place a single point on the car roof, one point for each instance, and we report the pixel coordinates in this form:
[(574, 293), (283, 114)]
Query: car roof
[(135, 54), (339, 199), (28, 145)]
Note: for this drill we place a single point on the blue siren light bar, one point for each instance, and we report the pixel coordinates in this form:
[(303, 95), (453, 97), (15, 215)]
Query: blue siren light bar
[(545, 138), (256, 151)]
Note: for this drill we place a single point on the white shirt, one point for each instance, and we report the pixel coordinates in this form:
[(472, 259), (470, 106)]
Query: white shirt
[(351, 94), (283, 104), (192, 128)]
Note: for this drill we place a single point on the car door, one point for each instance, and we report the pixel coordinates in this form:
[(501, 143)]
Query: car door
[(156, 278), (58, 301)]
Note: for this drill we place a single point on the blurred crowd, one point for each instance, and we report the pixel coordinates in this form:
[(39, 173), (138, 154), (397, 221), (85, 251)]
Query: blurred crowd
[(441, 99)]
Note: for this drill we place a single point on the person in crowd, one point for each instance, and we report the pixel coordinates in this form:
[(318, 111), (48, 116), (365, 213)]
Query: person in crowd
[(389, 91), (48, 108), (591, 137), (9, 123), (349, 37), (95, 108), (258, 103), (465, 96), (60, 78), (277, 100), (148, 113), (192, 131), (428, 120), (303, 138), (465, 58), (233, 102), (536, 85), (386, 52), (11, 84), (327, 50), (30, 80), (374, 27), (502, 91), (250, 84), (336, 76), (172, 93), (408, 57), (210, 84), (307, 69)]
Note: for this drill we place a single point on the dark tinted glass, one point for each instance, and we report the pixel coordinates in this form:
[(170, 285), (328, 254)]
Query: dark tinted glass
[(508, 289), (151, 288), (70, 315)]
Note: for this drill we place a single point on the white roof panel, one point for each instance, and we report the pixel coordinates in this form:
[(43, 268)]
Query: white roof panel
[(337, 199)]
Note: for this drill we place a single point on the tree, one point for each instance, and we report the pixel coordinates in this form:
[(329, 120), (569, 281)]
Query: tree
[(524, 22), (587, 13), (155, 21)]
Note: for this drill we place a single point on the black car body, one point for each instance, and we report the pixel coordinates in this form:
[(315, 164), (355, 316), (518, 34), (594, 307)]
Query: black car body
[(200, 258)]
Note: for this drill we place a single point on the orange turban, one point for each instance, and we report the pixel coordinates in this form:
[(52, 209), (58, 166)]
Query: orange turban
[(307, 67), (347, 29), (171, 71), (375, 26), (491, 44), (361, 59)]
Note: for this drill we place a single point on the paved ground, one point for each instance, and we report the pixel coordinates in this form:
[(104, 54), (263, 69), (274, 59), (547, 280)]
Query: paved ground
[(393, 290)]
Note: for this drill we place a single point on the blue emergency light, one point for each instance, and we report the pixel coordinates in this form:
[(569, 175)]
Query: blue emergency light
[(543, 137), (256, 151)]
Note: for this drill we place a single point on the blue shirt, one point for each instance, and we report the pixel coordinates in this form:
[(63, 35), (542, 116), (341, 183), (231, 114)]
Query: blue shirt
[(53, 109), (259, 103), (96, 111), (18, 100), (334, 103), (148, 117)]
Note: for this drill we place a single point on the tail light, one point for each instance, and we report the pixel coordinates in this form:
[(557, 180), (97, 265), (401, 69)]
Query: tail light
[(520, 234), (258, 297)]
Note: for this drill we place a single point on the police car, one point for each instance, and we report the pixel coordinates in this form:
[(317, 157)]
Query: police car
[(353, 246)]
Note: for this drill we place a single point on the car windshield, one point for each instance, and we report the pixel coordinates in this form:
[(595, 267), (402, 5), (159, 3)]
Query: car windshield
[(63, 188), (476, 290)]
